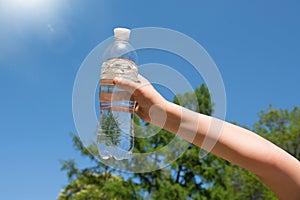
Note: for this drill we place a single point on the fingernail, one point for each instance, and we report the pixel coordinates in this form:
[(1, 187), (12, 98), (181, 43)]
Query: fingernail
[(116, 80)]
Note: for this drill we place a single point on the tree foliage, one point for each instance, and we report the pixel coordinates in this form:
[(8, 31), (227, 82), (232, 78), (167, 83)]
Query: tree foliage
[(190, 176), (282, 127)]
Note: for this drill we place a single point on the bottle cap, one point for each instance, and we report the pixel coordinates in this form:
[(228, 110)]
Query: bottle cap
[(122, 33)]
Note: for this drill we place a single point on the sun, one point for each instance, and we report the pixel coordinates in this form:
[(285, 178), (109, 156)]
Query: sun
[(28, 4), (28, 8)]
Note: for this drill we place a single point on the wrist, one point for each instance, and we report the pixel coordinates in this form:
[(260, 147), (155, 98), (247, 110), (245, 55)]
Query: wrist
[(158, 113), (173, 115)]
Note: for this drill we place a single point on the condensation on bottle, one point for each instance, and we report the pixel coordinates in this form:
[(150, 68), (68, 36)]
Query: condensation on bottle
[(115, 137)]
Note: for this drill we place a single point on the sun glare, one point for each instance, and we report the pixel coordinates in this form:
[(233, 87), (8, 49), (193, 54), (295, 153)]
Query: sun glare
[(28, 4), (34, 9)]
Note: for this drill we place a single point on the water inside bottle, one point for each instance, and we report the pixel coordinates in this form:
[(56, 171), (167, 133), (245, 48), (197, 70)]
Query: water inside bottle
[(115, 131), (119, 67)]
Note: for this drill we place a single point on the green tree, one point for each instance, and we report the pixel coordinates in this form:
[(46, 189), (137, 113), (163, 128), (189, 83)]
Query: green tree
[(95, 182), (184, 175), (97, 186), (281, 127), (110, 131)]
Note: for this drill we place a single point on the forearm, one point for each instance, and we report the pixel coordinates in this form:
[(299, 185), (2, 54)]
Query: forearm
[(275, 167)]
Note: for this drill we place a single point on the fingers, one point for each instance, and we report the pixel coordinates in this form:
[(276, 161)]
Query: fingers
[(129, 85), (125, 84)]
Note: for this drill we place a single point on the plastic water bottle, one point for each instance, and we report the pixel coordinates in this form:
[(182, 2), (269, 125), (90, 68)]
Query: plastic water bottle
[(116, 132)]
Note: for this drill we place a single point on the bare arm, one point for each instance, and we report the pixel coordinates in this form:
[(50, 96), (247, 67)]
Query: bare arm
[(275, 167)]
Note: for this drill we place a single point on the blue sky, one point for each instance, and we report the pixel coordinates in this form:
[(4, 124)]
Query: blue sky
[(255, 45)]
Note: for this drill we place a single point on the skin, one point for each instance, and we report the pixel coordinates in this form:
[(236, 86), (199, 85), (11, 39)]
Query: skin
[(275, 167)]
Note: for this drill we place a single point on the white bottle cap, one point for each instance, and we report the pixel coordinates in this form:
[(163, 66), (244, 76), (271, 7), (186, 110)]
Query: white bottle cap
[(122, 33)]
